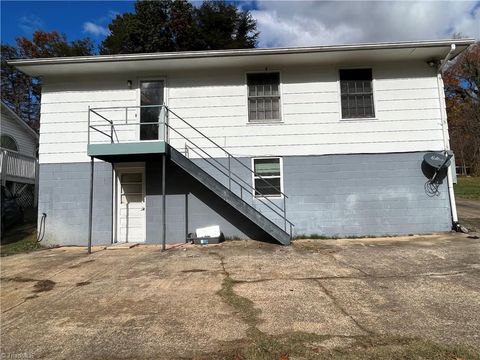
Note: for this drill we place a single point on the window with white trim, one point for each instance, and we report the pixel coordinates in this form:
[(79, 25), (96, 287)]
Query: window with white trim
[(267, 177), (357, 93), (263, 96)]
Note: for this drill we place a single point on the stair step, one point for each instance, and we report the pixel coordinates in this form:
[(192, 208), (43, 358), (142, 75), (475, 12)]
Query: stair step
[(229, 197)]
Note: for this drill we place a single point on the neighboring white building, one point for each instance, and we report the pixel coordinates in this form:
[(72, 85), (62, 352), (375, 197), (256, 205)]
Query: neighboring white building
[(333, 137), (18, 156)]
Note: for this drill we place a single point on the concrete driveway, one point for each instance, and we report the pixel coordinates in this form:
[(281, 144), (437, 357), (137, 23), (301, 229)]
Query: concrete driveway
[(369, 298), (469, 213)]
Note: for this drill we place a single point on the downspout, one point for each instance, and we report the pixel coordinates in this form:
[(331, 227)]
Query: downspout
[(446, 138)]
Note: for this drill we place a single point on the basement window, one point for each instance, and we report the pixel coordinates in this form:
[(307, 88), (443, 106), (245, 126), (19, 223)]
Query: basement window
[(263, 97), (357, 93), (267, 177)]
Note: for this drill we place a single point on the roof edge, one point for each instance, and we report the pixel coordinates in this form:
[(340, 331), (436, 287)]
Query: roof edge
[(238, 52), (20, 121)]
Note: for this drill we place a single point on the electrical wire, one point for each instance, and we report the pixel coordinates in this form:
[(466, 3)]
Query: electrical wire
[(431, 188)]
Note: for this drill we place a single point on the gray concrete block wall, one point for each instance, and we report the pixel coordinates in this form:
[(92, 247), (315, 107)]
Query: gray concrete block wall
[(332, 195), (272, 207), (357, 195), (203, 207), (64, 191)]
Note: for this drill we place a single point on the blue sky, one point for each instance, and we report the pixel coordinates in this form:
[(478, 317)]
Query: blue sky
[(21, 18), (281, 23)]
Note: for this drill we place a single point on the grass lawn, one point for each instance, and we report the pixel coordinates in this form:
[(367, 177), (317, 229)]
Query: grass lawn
[(468, 188), (21, 239)]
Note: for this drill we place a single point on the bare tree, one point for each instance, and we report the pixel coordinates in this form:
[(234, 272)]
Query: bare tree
[(462, 91)]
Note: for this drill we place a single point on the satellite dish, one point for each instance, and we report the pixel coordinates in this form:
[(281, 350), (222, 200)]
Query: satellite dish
[(437, 160)]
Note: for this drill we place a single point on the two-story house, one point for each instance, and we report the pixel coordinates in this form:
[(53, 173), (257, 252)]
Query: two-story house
[(266, 143), (18, 157)]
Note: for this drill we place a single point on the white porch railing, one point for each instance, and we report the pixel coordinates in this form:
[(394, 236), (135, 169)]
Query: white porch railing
[(17, 167)]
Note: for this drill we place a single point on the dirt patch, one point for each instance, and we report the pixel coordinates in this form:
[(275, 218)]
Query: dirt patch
[(76, 266), (82, 283), (43, 285), (308, 346), (18, 279)]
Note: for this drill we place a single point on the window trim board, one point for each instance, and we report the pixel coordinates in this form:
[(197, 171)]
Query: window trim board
[(252, 161), (339, 92), (280, 93)]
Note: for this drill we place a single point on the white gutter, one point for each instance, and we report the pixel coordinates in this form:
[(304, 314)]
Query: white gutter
[(446, 138), (237, 52)]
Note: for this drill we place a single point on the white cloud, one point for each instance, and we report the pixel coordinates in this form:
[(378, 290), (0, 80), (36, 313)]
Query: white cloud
[(301, 23), (30, 23), (112, 14), (95, 29)]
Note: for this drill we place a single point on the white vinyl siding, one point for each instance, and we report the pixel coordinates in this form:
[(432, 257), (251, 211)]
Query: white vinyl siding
[(25, 141), (407, 112)]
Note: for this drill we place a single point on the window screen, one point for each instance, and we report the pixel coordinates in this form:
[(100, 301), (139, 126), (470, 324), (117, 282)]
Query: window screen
[(267, 177), (263, 96), (357, 93)]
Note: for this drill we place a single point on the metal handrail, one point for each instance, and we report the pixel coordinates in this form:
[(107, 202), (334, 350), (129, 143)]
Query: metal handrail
[(112, 127), (241, 187), (167, 127), (221, 148), (100, 131), (248, 188), (229, 174), (189, 125), (223, 166)]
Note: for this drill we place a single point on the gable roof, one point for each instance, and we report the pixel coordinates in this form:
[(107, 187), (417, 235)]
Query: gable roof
[(405, 50), (19, 121)]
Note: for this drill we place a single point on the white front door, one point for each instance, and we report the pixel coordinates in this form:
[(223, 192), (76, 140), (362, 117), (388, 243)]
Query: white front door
[(131, 205)]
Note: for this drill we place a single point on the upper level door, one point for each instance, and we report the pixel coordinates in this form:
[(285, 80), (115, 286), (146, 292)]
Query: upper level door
[(151, 96)]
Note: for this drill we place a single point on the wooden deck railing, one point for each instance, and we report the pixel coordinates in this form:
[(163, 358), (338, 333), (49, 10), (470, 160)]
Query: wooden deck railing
[(17, 167)]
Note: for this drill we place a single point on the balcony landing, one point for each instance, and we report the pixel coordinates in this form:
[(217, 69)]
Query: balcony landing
[(126, 151)]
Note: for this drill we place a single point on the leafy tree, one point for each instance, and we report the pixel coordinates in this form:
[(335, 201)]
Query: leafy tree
[(462, 89), (52, 44), (175, 25), (222, 26), (21, 92), (17, 88)]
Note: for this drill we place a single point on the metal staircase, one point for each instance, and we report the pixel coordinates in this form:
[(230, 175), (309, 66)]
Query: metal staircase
[(221, 172)]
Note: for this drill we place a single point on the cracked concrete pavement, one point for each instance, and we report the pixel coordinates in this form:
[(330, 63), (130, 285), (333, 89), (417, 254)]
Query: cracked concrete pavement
[(144, 303)]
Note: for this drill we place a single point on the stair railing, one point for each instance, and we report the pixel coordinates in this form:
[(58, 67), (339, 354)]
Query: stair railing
[(230, 175), (164, 125), (265, 200)]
